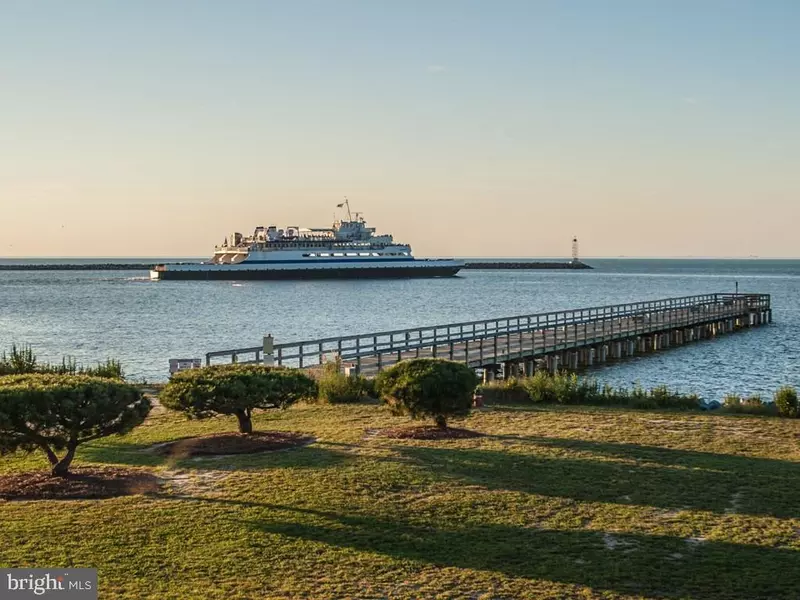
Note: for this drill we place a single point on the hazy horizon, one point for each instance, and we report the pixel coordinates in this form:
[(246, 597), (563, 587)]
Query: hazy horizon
[(464, 256), (464, 128)]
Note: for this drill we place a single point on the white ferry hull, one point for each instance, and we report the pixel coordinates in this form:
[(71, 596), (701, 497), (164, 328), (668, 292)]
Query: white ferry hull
[(245, 271)]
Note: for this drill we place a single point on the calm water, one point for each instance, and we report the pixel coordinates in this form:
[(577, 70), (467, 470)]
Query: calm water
[(94, 315)]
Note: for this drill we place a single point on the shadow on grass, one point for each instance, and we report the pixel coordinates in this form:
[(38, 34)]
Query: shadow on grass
[(656, 566), (659, 477), (744, 465), (313, 456)]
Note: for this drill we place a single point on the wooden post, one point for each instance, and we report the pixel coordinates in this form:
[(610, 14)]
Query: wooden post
[(529, 368), (268, 349)]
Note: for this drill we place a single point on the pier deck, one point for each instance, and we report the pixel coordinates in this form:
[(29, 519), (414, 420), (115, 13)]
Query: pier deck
[(563, 339)]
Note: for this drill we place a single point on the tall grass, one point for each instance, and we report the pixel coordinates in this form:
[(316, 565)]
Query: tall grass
[(751, 405), (337, 388), (568, 388), (505, 391), (22, 360)]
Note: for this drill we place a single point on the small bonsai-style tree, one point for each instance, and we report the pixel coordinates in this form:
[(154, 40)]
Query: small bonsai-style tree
[(235, 390), (428, 387), (56, 413)]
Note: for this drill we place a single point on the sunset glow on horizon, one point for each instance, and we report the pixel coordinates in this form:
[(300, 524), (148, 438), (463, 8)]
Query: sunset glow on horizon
[(462, 128)]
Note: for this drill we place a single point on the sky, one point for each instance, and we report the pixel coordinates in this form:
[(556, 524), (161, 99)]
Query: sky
[(465, 128)]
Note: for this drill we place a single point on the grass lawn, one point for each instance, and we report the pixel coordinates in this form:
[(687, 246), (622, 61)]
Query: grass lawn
[(551, 503)]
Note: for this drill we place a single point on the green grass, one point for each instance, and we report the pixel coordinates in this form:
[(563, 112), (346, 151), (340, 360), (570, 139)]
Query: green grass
[(553, 502)]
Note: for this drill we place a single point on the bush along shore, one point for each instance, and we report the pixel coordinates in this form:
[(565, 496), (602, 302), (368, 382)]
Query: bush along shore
[(23, 361), (568, 388)]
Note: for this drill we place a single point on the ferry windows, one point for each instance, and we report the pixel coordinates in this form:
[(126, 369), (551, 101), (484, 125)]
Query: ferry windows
[(375, 254), (352, 254), (363, 253), (324, 254), (405, 253), (338, 254)]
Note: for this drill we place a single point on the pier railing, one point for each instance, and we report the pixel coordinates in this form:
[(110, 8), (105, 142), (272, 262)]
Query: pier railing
[(475, 342)]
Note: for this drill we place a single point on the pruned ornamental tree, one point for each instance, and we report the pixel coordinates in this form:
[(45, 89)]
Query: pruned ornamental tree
[(428, 387), (235, 390), (57, 413)]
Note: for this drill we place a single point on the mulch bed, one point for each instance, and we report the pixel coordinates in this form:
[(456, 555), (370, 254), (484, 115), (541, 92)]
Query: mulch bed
[(81, 483), (217, 444), (428, 432)]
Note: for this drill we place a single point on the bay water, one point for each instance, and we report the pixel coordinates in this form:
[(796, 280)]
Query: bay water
[(94, 315)]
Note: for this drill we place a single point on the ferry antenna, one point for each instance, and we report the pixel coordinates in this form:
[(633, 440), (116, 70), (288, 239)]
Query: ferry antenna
[(347, 204)]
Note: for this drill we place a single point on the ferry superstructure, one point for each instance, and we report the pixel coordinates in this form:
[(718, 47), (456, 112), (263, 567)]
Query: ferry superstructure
[(349, 250)]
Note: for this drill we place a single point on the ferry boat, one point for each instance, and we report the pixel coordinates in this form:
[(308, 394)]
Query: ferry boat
[(349, 249)]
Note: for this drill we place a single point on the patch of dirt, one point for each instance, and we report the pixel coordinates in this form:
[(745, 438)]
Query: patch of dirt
[(217, 444), (81, 483), (192, 482), (428, 432)]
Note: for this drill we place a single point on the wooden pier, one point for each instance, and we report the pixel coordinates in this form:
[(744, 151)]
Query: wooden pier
[(569, 339)]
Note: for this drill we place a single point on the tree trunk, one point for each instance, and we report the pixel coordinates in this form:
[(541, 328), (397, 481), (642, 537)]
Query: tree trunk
[(61, 468), (51, 456), (245, 424), (440, 421)]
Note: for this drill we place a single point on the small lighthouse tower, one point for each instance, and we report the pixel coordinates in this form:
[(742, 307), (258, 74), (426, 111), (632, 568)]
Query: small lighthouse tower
[(575, 257)]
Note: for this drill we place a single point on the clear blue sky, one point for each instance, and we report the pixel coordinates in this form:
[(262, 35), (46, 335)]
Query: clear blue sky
[(463, 127)]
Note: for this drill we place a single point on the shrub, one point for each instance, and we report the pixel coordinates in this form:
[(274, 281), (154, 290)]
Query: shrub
[(54, 413), (235, 390), (337, 388), (540, 387), (786, 401), (504, 391), (427, 387), (663, 397), (562, 388), (754, 400), (23, 360), (732, 401), (568, 388), (753, 405)]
